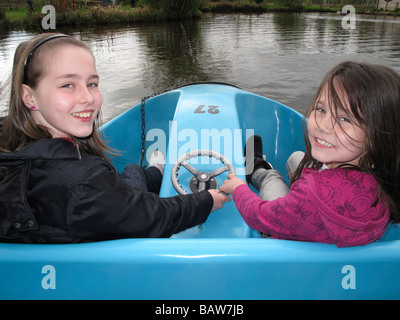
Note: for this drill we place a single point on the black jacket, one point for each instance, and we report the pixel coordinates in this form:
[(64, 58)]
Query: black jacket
[(52, 193)]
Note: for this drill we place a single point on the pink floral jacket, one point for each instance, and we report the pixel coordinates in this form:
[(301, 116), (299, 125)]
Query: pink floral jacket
[(330, 206)]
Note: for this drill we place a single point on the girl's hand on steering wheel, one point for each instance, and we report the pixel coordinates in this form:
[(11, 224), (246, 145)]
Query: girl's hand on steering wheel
[(219, 199)]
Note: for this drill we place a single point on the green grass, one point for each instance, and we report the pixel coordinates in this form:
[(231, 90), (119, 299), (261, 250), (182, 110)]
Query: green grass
[(16, 14), (22, 19), (92, 16)]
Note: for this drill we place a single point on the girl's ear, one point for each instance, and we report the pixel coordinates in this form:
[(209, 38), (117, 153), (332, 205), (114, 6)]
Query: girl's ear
[(27, 96)]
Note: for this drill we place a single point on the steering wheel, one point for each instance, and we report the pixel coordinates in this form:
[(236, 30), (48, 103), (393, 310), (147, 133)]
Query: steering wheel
[(202, 180)]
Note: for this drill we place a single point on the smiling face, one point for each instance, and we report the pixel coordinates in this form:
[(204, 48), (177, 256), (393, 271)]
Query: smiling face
[(67, 97), (335, 138)]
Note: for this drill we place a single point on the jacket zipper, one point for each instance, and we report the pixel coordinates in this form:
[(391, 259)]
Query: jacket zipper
[(79, 153)]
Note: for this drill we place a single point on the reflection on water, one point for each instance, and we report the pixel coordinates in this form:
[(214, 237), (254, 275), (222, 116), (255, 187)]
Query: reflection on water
[(279, 55)]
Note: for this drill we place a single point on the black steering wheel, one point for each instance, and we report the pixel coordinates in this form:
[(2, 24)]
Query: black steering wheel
[(202, 180)]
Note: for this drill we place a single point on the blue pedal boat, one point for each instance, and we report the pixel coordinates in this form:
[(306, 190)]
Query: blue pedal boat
[(223, 258)]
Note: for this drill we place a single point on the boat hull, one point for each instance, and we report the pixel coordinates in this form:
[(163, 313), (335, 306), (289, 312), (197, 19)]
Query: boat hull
[(223, 258)]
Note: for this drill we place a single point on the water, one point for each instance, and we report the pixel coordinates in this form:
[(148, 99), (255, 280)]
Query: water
[(283, 56)]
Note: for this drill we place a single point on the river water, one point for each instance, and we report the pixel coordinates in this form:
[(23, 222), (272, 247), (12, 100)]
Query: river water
[(283, 56)]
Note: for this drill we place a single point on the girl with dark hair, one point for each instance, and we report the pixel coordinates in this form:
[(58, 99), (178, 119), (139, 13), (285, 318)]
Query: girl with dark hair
[(345, 187)]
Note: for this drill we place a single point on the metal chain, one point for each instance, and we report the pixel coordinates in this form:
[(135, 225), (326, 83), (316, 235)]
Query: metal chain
[(143, 116)]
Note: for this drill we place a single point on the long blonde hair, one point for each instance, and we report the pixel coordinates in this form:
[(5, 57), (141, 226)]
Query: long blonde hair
[(19, 128)]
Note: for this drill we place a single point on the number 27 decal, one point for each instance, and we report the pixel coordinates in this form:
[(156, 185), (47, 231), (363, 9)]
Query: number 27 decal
[(211, 109)]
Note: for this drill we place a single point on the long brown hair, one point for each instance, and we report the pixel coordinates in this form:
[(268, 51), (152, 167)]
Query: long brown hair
[(19, 128), (373, 93)]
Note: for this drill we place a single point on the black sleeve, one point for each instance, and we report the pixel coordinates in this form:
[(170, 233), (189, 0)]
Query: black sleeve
[(105, 207)]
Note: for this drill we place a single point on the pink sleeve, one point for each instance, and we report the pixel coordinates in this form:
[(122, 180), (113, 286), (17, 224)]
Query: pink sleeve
[(290, 217)]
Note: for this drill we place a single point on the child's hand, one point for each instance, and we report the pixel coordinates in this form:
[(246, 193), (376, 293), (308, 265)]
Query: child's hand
[(219, 199), (230, 185)]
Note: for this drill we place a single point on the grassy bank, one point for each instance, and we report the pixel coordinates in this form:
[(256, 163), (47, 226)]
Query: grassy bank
[(251, 7), (93, 16)]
